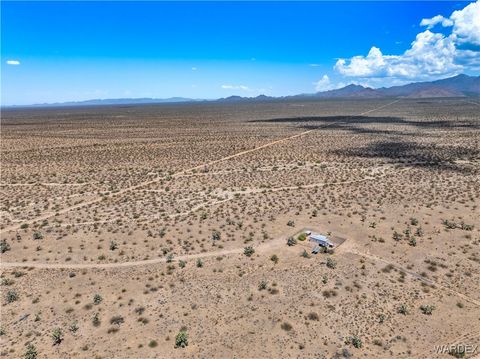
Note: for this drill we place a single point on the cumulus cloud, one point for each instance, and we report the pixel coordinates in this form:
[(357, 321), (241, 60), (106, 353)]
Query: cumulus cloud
[(466, 24), (323, 84), (194, 69), (430, 54), (13, 62)]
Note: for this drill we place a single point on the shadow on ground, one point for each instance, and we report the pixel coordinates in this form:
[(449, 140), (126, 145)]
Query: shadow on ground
[(391, 145)]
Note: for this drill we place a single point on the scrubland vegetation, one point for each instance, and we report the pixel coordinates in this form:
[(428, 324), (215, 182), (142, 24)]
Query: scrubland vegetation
[(159, 231)]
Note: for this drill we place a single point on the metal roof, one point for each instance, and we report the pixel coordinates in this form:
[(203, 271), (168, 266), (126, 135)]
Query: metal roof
[(318, 237)]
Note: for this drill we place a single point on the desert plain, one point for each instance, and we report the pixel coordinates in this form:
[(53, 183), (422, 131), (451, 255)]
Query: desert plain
[(161, 231)]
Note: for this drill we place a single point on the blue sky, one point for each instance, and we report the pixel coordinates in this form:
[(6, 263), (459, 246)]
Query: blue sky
[(62, 51)]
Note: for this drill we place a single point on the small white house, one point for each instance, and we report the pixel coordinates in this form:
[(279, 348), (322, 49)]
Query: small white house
[(320, 240)]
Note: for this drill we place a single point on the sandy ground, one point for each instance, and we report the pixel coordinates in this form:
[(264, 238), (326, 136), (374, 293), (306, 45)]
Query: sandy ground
[(123, 226)]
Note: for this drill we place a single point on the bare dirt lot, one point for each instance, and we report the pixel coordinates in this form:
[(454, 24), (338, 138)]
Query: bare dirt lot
[(123, 227)]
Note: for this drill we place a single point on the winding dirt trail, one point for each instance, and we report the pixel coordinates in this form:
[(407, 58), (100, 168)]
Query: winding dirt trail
[(261, 248), (184, 171)]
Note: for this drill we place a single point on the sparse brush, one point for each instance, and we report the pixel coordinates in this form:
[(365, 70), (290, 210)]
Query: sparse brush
[(57, 336), (331, 263), (248, 251), (31, 352), (181, 340), (427, 309), (4, 246)]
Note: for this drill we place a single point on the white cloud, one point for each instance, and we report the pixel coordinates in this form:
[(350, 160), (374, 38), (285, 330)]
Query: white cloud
[(13, 62), (466, 24), (194, 69), (314, 65), (323, 84), (430, 55), (439, 19), (236, 87)]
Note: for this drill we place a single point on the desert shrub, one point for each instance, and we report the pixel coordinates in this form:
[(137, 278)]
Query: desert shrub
[(329, 293), (449, 224), (305, 254), (6, 281), (199, 263), (419, 232), (291, 241), (37, 235), (248, 251), (413, 221), (181, 340), (313, 316), (466, 227), (381, 318), (331, 263), (31, 352), (355, 341), (170, 258), (57, 336), (262, 285), (291, 223), (24, 226), (403, 309), (302, 236), (216, 235), (427, 309), (397, 236), (113, 245), (162, 232), (377, 342), (73, 327), (274, 258), (97, 299), (4, 246), (11, 296), (182, 264), (96, 320), (117, 319), (286, 326), (153, 344), (412, 241)]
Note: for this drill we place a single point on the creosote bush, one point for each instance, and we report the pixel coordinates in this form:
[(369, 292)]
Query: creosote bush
[(11, 296), (181, 340), (57, 336), (31, 352), (248, 251), (97, 299), (427, 309), (291, 241), (4, 246), (331, 263)]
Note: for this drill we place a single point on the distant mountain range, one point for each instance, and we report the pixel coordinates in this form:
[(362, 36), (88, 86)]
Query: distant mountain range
[(457, 86)]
